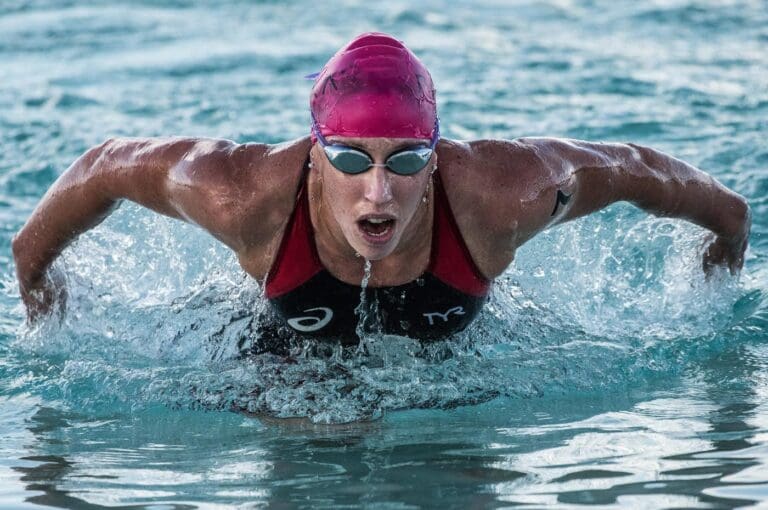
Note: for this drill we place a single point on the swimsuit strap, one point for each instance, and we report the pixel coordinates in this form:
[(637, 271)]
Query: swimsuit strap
[(297, 259), (450, 259)]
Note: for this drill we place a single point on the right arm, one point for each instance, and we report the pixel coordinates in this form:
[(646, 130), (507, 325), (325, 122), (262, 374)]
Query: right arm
[(161, 174)]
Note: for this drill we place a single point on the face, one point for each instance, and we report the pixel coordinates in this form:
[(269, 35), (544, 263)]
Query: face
[(372, 211)]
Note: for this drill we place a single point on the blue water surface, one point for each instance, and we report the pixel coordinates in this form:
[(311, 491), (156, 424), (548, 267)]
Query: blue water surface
[(605, 370)]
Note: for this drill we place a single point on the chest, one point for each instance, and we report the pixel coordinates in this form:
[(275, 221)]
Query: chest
[(425, 308)]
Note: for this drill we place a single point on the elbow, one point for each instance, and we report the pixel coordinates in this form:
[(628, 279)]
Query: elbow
[(27, 259), (742, 214), (732, 212), (18, 248), (16, 245)]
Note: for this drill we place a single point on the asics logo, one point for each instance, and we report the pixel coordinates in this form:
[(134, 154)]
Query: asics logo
[(456, 310), (311, 322)]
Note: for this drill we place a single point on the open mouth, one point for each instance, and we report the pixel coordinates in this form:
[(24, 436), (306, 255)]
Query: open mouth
[(377, 229)]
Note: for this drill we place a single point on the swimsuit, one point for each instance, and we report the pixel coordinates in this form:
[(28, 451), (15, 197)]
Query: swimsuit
[(312, 302)]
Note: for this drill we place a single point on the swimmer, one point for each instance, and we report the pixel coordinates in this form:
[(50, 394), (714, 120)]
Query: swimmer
[(372, 181)]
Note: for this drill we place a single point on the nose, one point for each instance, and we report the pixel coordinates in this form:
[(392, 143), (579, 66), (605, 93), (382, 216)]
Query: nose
[(378, 188)]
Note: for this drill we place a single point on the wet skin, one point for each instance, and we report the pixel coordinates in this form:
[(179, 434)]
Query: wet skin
[(502, 193), (342, 205)]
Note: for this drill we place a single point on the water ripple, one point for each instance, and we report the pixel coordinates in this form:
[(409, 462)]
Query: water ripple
[(604, 370)]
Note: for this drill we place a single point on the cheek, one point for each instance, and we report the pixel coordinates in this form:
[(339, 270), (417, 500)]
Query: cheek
[(410, 193), (340, 194)]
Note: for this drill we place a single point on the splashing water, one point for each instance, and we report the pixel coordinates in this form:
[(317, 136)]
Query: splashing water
[(176, 341), (364, 310), (613, 373)]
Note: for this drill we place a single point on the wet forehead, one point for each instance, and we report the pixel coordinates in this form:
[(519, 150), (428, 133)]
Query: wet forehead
[(378, 144)]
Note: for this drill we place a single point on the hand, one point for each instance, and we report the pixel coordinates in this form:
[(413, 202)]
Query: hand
[(45, 295), (723, 252)]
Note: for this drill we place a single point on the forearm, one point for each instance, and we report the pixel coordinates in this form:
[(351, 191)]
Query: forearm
[(73, 204), (666, 186)]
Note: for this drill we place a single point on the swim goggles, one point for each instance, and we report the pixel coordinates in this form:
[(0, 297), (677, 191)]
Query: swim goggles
[(350, 160)]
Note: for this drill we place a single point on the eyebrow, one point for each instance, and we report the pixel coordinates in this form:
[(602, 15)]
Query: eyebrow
[(365, 149)]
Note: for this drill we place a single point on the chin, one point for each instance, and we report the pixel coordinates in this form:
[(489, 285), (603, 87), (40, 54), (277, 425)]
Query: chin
[(374, 252)]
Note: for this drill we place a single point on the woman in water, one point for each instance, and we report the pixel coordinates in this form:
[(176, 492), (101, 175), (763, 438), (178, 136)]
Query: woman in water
[(438, 219)]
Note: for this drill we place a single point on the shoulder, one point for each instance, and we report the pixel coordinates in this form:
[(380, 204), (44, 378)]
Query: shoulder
[(211, 164), (542, 152), (509, 172), (242, 193), (501, 164), (494, 178), (503, 191), (249, 168), (485, 182)]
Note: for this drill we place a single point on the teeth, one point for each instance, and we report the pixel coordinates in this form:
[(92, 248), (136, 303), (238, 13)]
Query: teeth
[(376, 220)]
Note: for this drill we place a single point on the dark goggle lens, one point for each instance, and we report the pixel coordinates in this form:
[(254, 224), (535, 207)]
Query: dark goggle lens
[(351, 161), (410, 161), (348, 160)]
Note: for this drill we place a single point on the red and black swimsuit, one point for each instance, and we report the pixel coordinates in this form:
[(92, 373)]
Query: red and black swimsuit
[(312, 302)]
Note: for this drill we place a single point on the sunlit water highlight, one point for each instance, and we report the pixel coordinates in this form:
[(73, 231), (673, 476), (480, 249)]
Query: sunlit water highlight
[(605, 369)]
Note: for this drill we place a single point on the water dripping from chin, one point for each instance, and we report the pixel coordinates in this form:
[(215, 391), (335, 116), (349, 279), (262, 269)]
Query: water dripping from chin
[(365, 309)]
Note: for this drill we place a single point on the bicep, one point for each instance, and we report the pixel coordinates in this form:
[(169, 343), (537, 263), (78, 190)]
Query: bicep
[(565, 179), (199, 181), (143, 170)]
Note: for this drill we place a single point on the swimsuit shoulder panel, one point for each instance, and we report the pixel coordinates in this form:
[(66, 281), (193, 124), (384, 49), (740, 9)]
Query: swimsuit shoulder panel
[(297, 259), (308, 299), (450, 260)]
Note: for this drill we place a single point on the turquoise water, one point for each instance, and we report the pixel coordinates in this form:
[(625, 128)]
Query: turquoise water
[(605, 371)]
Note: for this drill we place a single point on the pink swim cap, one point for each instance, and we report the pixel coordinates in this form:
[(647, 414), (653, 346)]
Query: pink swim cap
[(374, 87)]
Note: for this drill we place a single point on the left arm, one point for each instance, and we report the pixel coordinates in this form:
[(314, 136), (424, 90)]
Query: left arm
[(591, 176)]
